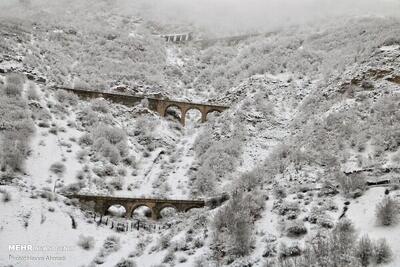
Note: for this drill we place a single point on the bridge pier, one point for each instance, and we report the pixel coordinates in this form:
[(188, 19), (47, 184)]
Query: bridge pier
[(155, 214)]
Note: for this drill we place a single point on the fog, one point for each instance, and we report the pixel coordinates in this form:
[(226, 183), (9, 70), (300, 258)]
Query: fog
[(219, 16), (253, 15)]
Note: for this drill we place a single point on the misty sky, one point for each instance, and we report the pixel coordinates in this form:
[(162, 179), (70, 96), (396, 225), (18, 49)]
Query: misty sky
[(230, 16), (265, 14)]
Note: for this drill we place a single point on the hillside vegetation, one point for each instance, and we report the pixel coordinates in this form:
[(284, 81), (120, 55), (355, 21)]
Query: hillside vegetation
[(288, 171)]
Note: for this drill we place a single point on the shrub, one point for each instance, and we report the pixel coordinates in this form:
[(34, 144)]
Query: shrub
[(57, 168), (88, 117), (232, 227), (86, 140), (13, 89), (270, 250), (107, 150), (99, 105), (6, 196), (288, 251), (111, 244), (32, 93), (182, 260), (295, 229), (339, 248), (107, 170), (130, 161), (387, 211), (204, 182), (15, 78), (111, 134), (351, 184), (325, 221), (12, 154), (164, 241), (202, 143), (382, 252), (117, 183), (14, 84), (169, 257), (122, 172), (80, 175), (288, 207), (64, 97), (73, 188), (54, 130), (86, 242), (364, 250), (81, 155), (126, 263), (279, 192), (44, 124), (122, 148)]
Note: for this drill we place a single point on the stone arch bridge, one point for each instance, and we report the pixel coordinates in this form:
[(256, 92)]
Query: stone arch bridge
[(156, 104), (101, 204)]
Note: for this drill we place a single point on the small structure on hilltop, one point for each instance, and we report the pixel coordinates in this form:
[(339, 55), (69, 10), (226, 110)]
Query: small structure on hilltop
[(178, 37)]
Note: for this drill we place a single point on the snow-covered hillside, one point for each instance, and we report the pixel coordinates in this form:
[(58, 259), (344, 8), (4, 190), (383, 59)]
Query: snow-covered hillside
[(301, 170)]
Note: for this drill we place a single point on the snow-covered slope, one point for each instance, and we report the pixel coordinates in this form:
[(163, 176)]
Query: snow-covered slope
[(313, 117)]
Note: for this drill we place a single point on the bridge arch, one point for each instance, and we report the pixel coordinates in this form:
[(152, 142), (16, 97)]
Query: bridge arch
[(162, 209), (215, 111), (173, 106), (192, 207), (188, 114), (118, 210), (140, 205)]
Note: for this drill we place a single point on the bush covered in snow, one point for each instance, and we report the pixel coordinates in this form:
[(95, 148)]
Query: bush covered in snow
[(295, 228), (66, 98), (14, 85), (351, 185), (340, 247), (216, 162), (58, 168), (232, 234), (16, 127), (86, 242), (364, 250), (6, 196), (382, 253), (100, 105), (32, 93), (111, 244), (126, 263), (387, 211)]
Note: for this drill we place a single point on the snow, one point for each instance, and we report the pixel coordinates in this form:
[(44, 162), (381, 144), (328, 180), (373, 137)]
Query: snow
[(389, 47), (56, 231), (172, 58), (165, 171), (362, 214)]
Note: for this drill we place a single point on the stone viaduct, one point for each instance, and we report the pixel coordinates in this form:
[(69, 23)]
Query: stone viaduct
[(101, 204), (156, 104)]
